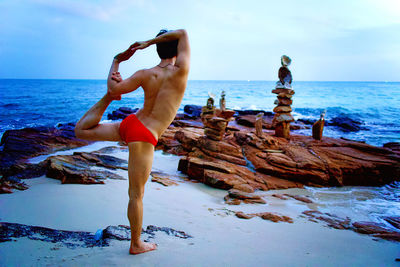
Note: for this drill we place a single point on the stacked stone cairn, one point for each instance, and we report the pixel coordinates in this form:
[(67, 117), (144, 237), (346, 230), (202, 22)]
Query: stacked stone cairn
[(283, 89), (283, 116), (215, 120)]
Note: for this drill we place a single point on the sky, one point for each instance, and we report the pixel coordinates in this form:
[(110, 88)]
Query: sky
[(340, 40)]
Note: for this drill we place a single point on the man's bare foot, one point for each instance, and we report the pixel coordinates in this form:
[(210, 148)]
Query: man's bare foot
[(142, 248)]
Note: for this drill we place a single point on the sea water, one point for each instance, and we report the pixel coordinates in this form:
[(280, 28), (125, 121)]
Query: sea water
[(376, 105)]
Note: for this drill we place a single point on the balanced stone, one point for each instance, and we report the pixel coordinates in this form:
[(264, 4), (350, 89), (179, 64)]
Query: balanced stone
[(258, 124), (215, 123), (283, 90), (283, 117), (214, 134), (284, 95), (284, 101), (282, 109)]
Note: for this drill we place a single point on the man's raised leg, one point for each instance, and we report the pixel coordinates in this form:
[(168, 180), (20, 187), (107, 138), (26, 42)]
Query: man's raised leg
[(139, 168), (88, 126)]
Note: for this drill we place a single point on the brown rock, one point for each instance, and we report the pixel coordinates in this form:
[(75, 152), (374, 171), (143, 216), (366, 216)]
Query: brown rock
[(283, 90), (274, 183), (226, 114), (274, 217), (331, 219), (216, 123), (282, 130), (247, 197), (282, 117), (244, 188), (188, 123), (300, 198), (75, 169), (265, 216), (162, 179), (282, 109), (214, 134), (284, 95), (393, 236), (188, 137), (5, 188), (370, 228), (232, 201), (280, 196), (284, 102), (220, 180), (393, 220), (250, 120), (243, 215)]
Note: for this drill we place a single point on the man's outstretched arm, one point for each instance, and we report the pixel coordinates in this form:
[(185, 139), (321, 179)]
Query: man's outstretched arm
[(116, 86)]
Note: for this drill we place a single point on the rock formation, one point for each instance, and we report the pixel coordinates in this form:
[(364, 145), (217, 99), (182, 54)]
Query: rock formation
[(215, 120), (283, 116), (283, 89), (318, 127)]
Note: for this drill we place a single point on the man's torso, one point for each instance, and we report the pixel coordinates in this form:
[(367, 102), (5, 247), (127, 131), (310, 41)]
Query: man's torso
[(163, 92)]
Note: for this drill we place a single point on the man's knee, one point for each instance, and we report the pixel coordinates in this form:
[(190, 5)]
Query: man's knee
[(79, 133), (136, 193)]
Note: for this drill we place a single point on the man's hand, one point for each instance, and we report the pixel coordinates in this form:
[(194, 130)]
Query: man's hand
[(116, 76), (127, 53), (140, 45)]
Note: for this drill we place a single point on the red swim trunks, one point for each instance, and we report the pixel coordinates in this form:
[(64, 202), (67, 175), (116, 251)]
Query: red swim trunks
[(132, 129)]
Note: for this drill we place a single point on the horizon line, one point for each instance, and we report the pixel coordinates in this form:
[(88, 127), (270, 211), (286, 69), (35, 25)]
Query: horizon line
[(222, 80)]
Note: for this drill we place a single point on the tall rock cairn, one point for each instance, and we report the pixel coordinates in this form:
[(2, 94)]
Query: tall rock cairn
[(283, 89)]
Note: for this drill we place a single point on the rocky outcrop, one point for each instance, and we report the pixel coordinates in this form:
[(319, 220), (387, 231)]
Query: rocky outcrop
[(374, 229), (68, 169), (70, 239), (242, 158), (19, 145), (75, 169), (393, 146), (74, 239), (123, 232)]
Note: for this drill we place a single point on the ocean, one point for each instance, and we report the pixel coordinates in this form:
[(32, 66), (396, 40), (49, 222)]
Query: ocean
[(374, 105)]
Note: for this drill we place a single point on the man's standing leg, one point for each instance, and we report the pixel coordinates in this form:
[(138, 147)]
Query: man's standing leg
[(88, 126), (140, 161)]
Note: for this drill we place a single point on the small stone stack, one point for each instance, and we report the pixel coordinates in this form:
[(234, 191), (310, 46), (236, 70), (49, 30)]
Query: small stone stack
[(214, 127), (215, 120), (283, 117)]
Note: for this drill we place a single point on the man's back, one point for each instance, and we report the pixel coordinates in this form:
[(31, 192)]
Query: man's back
[(164, 88)]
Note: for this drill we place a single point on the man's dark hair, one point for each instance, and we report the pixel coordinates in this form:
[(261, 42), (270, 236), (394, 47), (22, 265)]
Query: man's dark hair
[(167, 49)]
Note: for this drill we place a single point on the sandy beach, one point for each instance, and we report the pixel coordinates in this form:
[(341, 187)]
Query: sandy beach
[(219, 238)]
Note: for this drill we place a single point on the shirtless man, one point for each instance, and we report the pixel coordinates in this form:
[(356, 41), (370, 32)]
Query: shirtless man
[(163, 86)]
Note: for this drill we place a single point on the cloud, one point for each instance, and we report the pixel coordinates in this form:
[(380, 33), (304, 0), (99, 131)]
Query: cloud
[(99, 10)]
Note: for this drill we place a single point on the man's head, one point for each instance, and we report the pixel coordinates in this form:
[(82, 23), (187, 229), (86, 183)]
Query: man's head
[(167, 49)]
